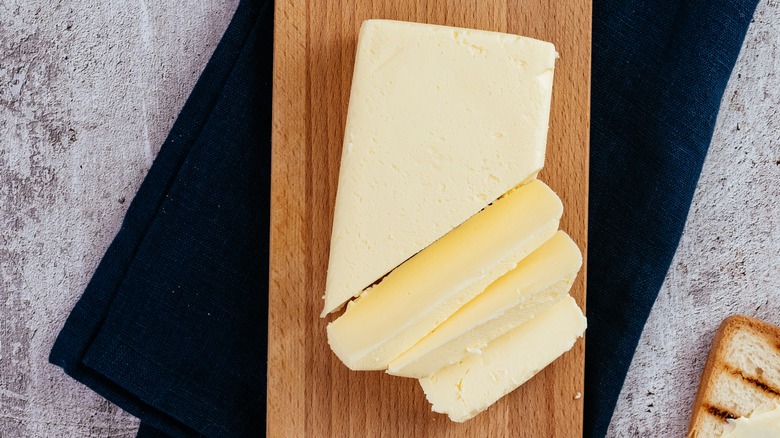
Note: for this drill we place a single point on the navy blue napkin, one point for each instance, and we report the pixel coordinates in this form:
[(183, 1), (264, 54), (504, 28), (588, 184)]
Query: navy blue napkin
[(659, 70), (172, 326)]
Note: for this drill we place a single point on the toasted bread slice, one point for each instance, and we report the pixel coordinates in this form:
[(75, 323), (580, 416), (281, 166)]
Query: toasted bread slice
[(741, 374)]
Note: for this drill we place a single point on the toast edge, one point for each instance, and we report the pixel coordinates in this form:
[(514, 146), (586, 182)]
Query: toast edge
[(715, 359)]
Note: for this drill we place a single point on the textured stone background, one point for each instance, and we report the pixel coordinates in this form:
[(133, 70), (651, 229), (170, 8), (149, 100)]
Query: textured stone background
[(88, 92), (729, 257)]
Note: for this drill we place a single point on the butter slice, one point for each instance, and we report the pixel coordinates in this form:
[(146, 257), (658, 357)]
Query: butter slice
[(764, 422), (441, 122), (470, 386), (423, 292), (538, 282)]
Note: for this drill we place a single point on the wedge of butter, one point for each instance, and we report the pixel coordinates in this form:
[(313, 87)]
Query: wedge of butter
[(464, 389), (441, 122), (427, 289), (539, 281)]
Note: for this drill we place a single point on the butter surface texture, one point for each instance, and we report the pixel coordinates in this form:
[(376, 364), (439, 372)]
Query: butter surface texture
[(423, 292), (538, 282), (441, 122), (464, 389), (764, 422)]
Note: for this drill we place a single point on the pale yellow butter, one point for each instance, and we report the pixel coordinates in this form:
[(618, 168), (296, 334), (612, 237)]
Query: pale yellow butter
[(428, 288), (464, 389), (441, 122), (764, 422), (539, 281)]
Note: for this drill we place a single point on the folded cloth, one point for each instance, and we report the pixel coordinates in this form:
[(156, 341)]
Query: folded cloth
[(171, 327), (658, 74)]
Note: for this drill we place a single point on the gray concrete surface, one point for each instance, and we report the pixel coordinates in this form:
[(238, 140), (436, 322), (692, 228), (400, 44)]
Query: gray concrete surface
[(88, 92), (729, 256)]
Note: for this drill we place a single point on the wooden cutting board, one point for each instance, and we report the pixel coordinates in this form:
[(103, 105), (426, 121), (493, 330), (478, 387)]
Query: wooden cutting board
[(310, 393)]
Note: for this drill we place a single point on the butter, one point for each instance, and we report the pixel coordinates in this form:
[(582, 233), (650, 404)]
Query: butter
[(764, 422), (539, 281), (464, 389), (423, 292), (441, 122)]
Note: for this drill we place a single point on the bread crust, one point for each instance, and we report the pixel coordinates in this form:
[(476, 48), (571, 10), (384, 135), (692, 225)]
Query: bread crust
[(716, 361)]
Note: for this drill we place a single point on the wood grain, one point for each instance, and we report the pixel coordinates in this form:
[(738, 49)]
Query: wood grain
[(310, 393)]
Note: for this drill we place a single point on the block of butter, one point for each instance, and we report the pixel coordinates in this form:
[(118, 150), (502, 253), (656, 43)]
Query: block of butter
[(423, 292), (538, 282), (441, 122), (464, 389)]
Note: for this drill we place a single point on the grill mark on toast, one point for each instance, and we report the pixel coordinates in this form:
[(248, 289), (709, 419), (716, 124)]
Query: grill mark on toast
[(761, 385), (715, 411), (758, 383)]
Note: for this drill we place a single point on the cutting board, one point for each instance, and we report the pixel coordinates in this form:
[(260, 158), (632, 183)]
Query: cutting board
[(310, 393)]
